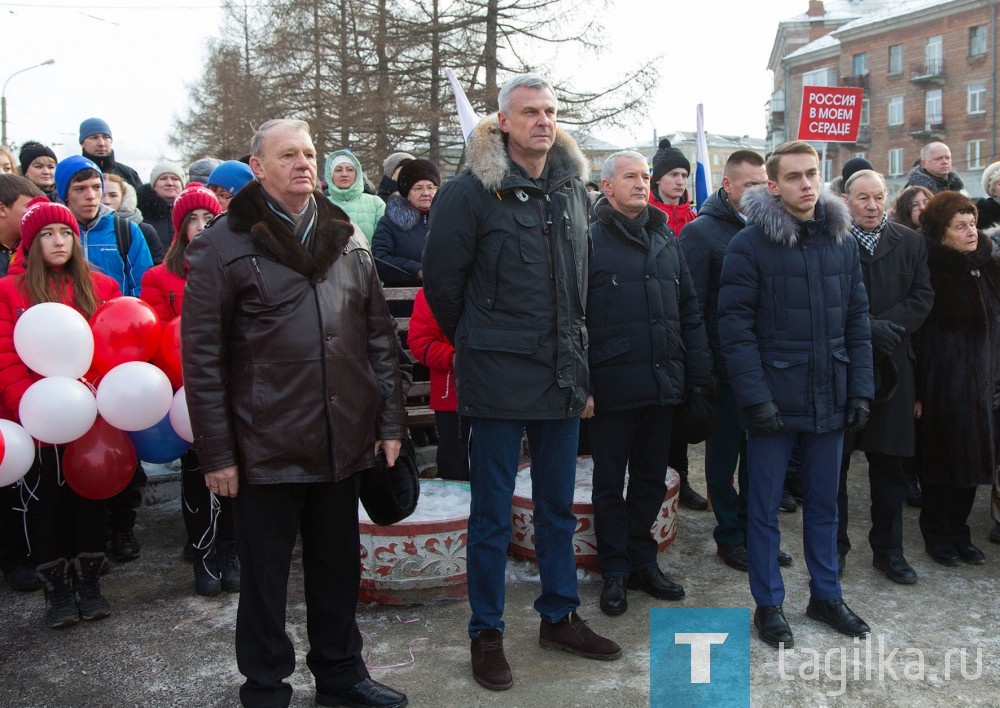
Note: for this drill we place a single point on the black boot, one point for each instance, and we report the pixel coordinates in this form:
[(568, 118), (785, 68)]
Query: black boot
[(207, 578), (229, 565), (87, 586), (60, 610), (688, 497)]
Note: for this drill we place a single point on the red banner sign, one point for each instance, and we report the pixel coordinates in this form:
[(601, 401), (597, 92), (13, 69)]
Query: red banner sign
[(830, 113)]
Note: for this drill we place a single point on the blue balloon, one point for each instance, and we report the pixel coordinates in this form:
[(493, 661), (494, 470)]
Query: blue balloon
[(160, 443)]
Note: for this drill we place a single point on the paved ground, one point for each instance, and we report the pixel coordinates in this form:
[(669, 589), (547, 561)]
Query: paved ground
[(165, 646)]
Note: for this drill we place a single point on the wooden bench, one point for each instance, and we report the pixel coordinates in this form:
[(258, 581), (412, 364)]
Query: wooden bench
[(418, 412)]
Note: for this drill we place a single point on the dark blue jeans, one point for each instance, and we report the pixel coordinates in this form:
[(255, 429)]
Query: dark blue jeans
[(494, 452), (767, 462), (638, 441)]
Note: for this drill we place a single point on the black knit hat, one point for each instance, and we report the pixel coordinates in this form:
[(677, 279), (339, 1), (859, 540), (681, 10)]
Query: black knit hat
[(31, 151), (667, 159), (855, 164), (415, 171)]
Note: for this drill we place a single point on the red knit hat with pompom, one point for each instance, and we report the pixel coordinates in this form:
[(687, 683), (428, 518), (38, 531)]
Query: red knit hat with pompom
[(193, 197), (39, 213)]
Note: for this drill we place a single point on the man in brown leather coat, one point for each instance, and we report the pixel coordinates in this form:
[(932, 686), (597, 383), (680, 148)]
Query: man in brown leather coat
[(291, 371)]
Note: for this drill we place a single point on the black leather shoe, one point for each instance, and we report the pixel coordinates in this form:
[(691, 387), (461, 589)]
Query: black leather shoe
[(614, 596), (365, 694), (735, 556), (690, 498), (838, 615), (652, 582), (970, 554), (772, 627), (784, 560), (995, 533), (945, 555), (788, 502), (895, 568)]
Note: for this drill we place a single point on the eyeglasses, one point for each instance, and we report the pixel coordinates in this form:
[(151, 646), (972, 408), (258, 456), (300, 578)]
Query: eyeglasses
[(424, 189)]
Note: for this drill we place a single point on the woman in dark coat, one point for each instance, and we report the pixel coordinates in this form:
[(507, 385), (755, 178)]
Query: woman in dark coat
[(958, 376), (398, 242)]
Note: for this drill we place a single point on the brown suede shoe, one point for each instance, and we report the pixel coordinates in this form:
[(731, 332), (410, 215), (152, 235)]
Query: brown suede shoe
[(573, 635), (489, 665)]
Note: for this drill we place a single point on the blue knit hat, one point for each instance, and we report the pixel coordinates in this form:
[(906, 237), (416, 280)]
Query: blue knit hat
[(231, 175), (69, 167), (94, 126)]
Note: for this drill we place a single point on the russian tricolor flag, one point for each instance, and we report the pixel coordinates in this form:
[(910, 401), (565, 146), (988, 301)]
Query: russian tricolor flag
[(703, 174)]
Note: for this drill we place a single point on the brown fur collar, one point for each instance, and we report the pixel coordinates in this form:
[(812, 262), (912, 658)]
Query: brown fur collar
[(248, 213)]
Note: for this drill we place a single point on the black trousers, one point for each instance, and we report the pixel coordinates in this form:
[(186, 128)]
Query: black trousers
[(122, 506), (887, 485), (13, 544), (453, 445), (61, 523), (206, 522), (268, 518), (637, 440), (944, 516)]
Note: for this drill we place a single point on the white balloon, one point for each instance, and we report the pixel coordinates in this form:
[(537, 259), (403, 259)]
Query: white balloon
[(134, 396), (57, 410), (54, 340), (19, 452), (179, 418)]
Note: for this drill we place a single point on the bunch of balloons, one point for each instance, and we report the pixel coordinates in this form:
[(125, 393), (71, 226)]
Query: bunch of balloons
[(99, 394)]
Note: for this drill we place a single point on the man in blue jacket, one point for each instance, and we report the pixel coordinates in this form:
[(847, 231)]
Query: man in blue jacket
[(80, 186), (793, 326)]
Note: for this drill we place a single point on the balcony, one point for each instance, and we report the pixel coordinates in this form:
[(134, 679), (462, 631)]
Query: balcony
[(930, 129), (931, 72), (857, 81), (864, 138)]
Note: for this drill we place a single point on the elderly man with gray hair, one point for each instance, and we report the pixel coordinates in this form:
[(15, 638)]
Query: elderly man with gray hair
[(900, 296), (648, 354), (934, 170)]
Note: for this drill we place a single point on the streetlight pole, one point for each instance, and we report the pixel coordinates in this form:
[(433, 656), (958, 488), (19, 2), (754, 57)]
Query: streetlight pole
[(3, 98)]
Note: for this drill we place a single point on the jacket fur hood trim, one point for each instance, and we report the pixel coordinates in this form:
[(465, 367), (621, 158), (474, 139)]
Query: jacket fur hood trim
[(490, 163), (401, 213), (334, 230), (764, 211)]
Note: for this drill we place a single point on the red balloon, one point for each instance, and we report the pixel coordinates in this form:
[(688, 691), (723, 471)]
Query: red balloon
[(125, 329), (101, 463), (3, 448), (168, 358)]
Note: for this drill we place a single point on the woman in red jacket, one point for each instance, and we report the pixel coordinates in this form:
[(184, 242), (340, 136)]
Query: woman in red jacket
[(207, 518), (60, 523), (431, 348)]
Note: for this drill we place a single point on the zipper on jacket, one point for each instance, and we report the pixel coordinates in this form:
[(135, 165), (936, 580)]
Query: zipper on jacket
[(170, 299), (260, 280)]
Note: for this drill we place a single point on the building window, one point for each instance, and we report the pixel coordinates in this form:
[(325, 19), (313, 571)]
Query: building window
[(896, 110), (896, 162), (977, 98), (865, 111), (974, 154), (896, 59), (820, 77), (934, 55), (862, 155), (977, 41), (933, 108), (859, 64)]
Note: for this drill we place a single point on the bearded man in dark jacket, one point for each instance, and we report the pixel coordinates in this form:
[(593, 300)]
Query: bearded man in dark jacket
[(505, 274), (897, 281), (793, 325), (293, 383), (648, 353)]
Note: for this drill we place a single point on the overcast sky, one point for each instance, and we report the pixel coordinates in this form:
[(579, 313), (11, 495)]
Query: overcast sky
[(130, 64)]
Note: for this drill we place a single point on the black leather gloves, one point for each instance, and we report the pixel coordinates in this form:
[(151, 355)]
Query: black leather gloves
[(858, 412), (764, 419)]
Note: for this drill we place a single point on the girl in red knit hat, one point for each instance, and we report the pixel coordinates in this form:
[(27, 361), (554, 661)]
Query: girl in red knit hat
[(64, 530), (207, 518)]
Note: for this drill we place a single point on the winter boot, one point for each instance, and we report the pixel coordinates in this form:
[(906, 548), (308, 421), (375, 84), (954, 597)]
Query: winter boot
[(60, 610), (229, 565), (688, 496), (87, 586), (207, 578)]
